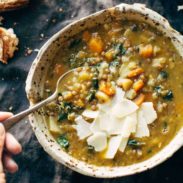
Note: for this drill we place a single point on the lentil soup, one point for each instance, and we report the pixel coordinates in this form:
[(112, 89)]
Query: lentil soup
[(122, 58)]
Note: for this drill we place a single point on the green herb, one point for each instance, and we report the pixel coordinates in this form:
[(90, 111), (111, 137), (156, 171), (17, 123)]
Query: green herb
[(135, 143), (95, 83), (114, 63), (164, 74), (91, 149), (63, 141), (91, 95), (62, 116), (74, 43), (75, 62), (64, 109), (119, 49), (165, 127), (72, 61), (168, 96), (149, 151), (158, 89)]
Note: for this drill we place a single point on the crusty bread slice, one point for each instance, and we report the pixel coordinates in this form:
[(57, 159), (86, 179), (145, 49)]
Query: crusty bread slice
[(8, 44), (6, 5)]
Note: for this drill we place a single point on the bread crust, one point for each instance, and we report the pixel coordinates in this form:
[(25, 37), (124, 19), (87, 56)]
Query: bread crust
[(8, 44), (14, 4)]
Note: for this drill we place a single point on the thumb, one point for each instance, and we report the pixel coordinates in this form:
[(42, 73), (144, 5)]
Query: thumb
[(2, 139)]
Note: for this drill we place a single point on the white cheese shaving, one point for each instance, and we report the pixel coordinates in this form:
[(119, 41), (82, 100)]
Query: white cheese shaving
[(82, 127), (124, 108), (113, 146), (116, 125), (105, 122), (149, 113), (90, 114), (115, 120), (142, 127), (95, 125), (128, 127), (133, 118), (98, 140), (123, 144)]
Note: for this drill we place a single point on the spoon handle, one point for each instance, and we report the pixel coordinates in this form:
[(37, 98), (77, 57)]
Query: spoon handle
[(16, 118)]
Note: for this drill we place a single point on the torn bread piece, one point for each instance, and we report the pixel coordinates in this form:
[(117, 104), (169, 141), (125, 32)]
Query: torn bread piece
[(8, 44), (7, 5)]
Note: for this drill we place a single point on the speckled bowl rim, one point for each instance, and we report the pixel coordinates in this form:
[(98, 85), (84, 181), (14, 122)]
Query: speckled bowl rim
[(80, 166)]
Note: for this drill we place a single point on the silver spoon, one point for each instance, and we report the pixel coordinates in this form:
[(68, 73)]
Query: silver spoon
[(16, 118)]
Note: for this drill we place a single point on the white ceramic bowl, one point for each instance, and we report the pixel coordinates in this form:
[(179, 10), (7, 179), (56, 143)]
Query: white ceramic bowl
[(40, 67)]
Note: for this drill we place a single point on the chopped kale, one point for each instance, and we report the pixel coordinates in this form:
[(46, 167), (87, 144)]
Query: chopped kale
[(164, 74), (74, 43), (62, 116), (91, 149), (157, 89), (149, 151), (119, 49), (95, 83), (114, 63), (63, 141), (134, 143), (165, 127), (169, 96), (75, 62), (91, 95), (64, 109)]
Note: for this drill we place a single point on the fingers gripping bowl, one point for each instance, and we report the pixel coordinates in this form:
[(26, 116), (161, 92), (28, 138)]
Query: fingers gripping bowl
[(126, 15)]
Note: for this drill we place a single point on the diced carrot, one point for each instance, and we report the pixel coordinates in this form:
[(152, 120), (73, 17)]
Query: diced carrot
[(139, 99), (146, 51), (135, 72), (107, 89), (138, 85), (86, 36), (95, 44)]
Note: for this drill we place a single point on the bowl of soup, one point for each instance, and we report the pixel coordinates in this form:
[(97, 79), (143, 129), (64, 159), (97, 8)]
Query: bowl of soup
[(121, 111)]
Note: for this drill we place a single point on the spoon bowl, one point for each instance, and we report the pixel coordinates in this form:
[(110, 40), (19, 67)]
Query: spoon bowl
[(10, 122)]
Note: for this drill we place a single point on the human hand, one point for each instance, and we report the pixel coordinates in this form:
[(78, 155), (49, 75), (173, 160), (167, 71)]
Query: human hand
[(8, 146)]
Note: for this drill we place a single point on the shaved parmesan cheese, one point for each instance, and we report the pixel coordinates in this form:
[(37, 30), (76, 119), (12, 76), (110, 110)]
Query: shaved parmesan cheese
[(105, 107), (104, 122), (142, 127), (128, 127), (123, 144), (95, 126), (98, 140), (113, 146), (82, 127), (124, 108), (90, 114), (116, 125), (148, 112), (133, 118), (120, 94)]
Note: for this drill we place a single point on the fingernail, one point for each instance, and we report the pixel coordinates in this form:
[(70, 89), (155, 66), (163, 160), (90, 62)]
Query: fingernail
[(7, 113), (2, 130)]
